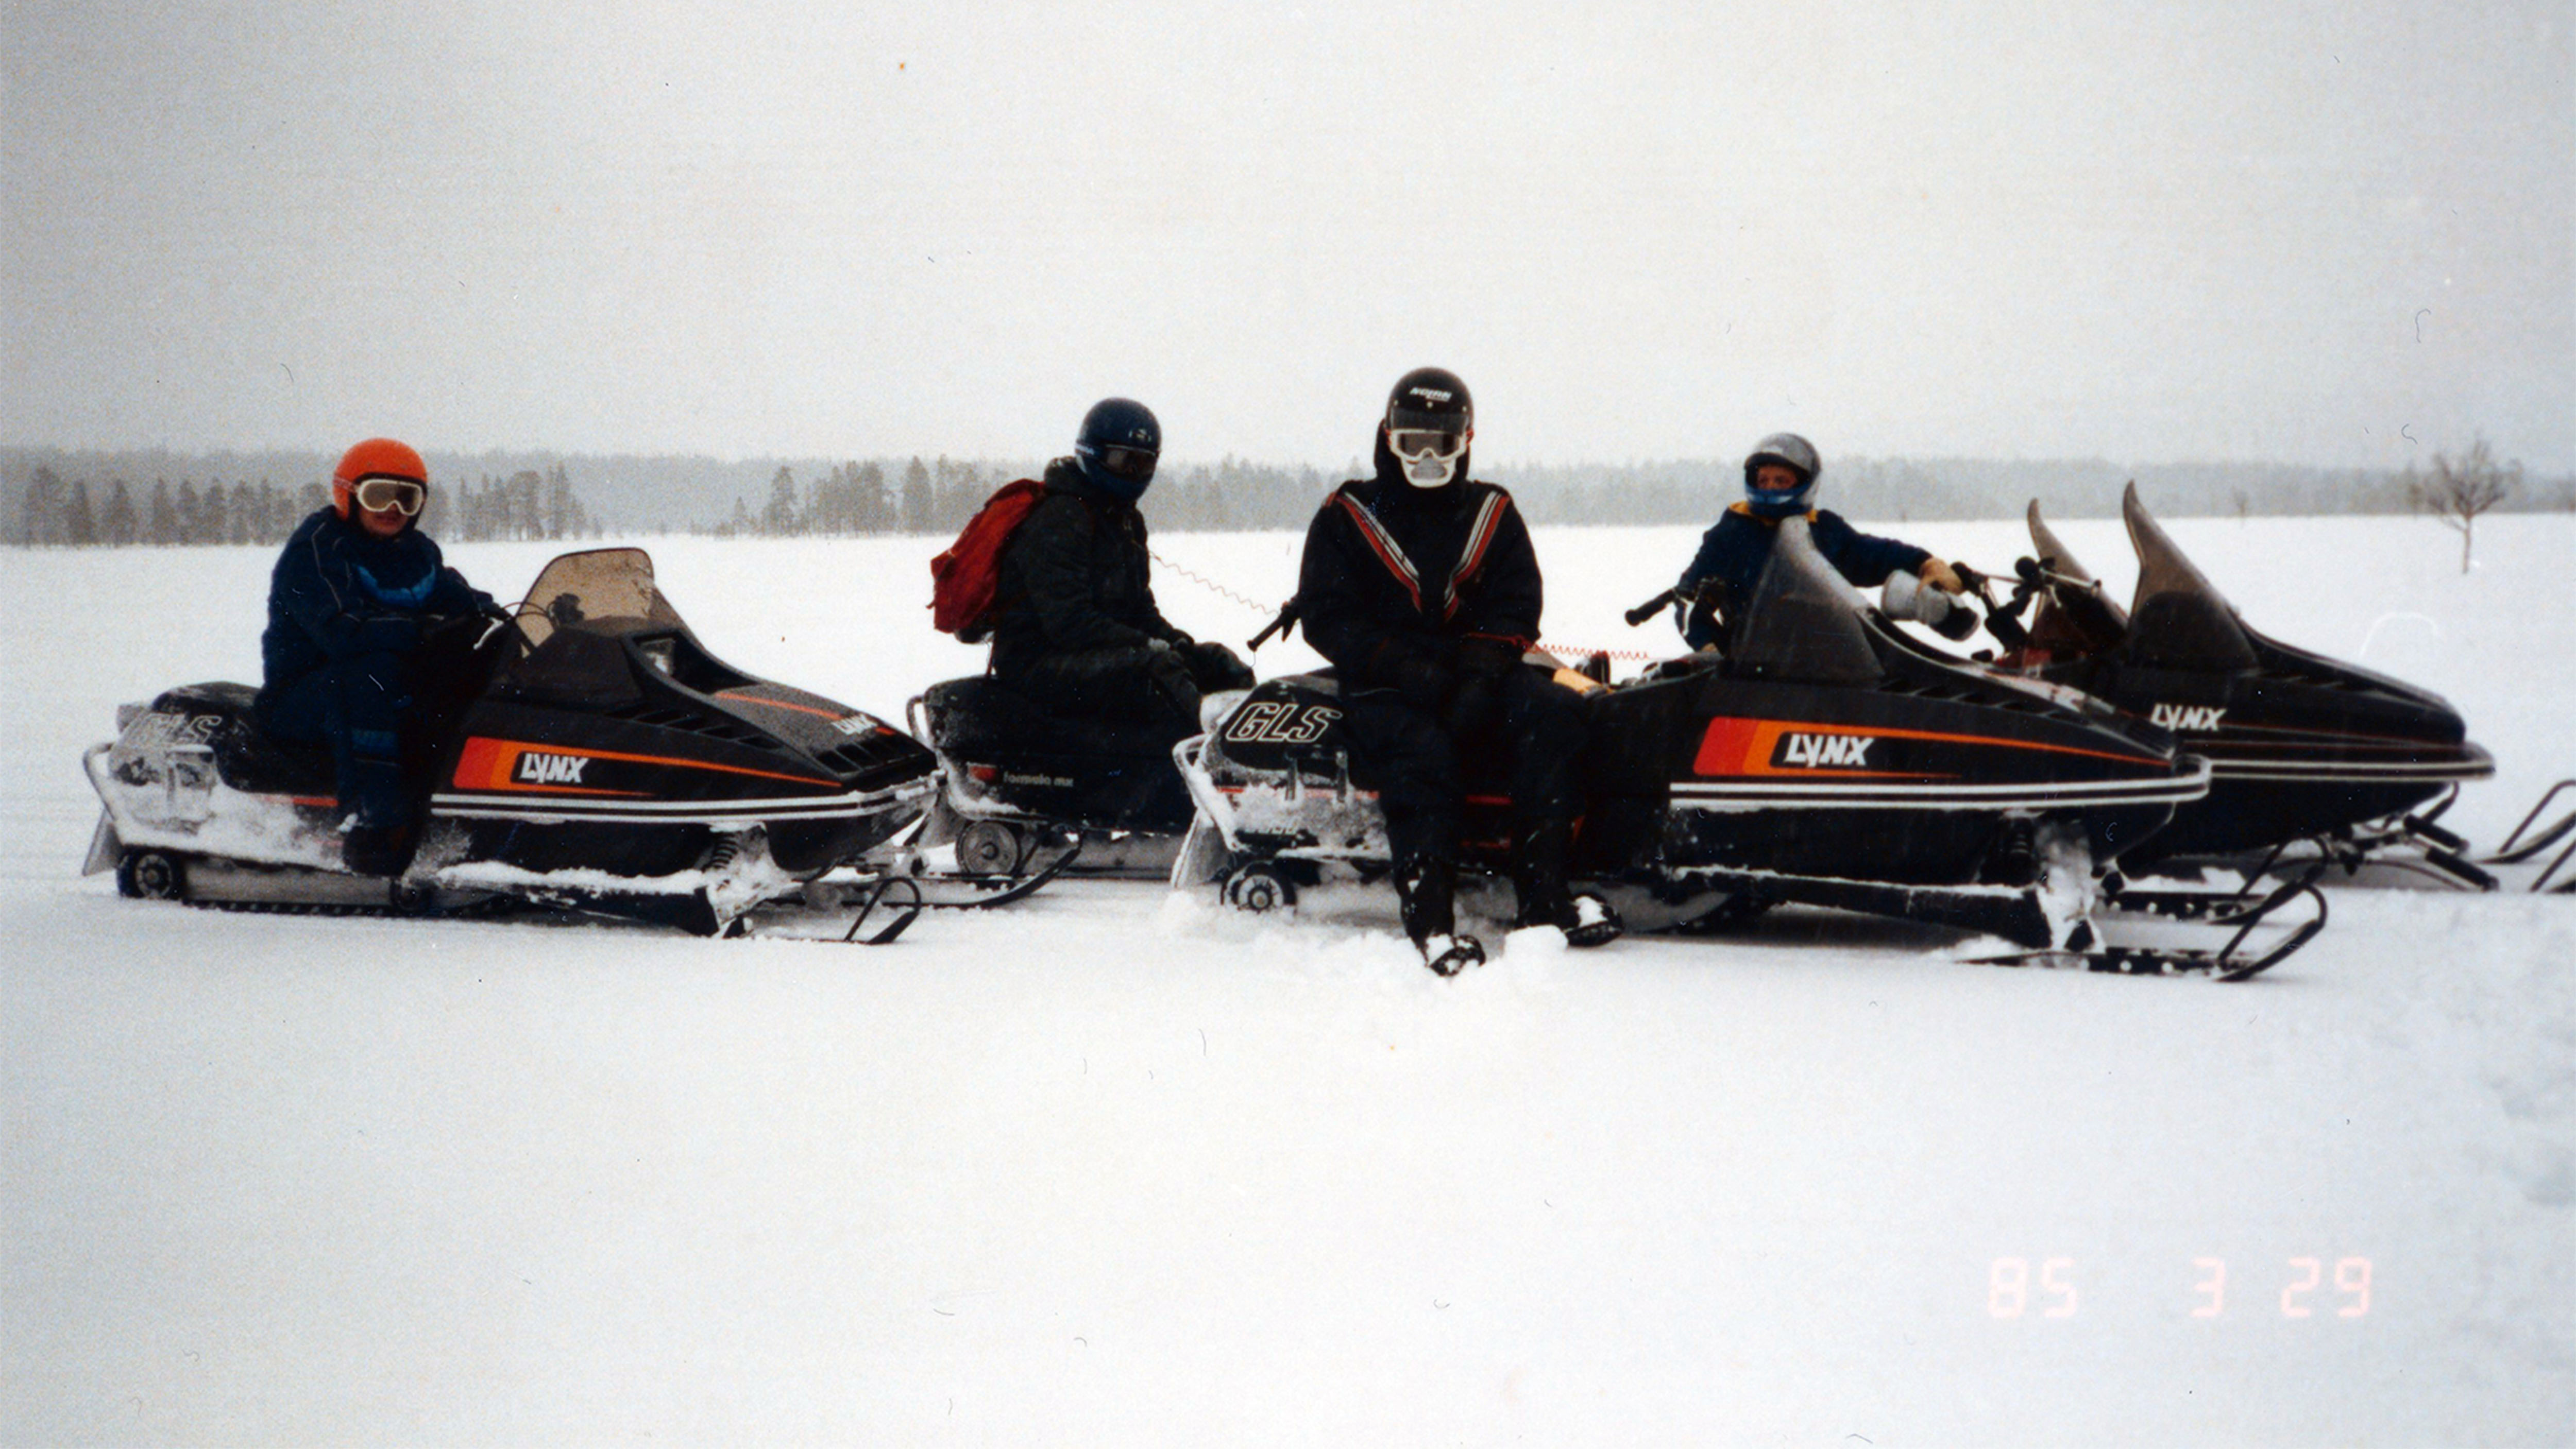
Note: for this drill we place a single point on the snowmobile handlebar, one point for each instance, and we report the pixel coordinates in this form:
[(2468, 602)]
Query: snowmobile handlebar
[(1652, 607), (1285, 620)]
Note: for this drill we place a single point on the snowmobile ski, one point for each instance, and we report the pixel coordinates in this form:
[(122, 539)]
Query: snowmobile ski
[(2525, 844), (2156, 934)]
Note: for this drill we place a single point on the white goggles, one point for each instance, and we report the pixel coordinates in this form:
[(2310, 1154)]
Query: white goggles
[(1415, 445), (401, 495)]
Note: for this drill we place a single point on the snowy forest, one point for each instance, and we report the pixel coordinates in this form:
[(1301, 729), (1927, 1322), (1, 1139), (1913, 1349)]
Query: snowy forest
[(50, 511), (56, 498)]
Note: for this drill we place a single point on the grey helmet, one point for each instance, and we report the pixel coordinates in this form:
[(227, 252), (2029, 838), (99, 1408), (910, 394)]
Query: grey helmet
[(1790, 451)]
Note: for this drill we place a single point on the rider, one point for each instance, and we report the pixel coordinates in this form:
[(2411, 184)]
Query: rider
[(1075, 628), (1421, 587), (343, 656), (1780, 482)]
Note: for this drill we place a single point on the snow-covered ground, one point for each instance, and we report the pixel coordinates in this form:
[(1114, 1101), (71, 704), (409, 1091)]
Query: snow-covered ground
[(1113, 1166)]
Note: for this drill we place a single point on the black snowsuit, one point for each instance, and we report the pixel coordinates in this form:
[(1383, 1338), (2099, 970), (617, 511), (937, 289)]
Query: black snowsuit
[(1425, 600), (1074, 620)]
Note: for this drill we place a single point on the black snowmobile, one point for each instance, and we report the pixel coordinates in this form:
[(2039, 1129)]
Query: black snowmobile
[(597, 758), (1824, 757), (2310, 759), (1023, 792)]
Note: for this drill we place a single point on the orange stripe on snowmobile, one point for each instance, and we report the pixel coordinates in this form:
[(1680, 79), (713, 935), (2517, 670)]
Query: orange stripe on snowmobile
[(490, 764), (738, 695), (1738, 746)]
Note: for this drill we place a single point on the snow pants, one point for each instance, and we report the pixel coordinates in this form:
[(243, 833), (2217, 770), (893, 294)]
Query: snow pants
[(358, 707), (1538, 731)]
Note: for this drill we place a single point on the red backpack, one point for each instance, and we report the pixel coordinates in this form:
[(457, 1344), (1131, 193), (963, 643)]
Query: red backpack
[(962, 579)]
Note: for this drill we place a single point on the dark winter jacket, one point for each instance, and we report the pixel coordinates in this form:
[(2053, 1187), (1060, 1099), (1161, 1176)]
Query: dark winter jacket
[(339, 591), (1396, 578), (1732, 554), (1075, 576)]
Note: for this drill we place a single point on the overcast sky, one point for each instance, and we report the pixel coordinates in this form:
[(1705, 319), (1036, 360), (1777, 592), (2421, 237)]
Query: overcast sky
[(2332, 234)]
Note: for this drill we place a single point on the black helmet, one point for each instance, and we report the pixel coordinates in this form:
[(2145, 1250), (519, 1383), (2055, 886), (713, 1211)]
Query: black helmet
[(1118, 446), (1429, 421)]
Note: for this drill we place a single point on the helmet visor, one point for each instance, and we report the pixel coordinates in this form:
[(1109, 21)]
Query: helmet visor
[(1129, 465), (401, 495), (1413, 445)]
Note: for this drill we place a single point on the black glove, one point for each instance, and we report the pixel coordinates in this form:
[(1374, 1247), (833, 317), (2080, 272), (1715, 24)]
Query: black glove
[(1417, 670), (1216, 667), (1169, 673)]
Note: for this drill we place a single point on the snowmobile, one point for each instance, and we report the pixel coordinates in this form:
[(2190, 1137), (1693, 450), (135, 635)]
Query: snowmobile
[(598, 758), (1022, 791), (1823, 757), (2310, 759)]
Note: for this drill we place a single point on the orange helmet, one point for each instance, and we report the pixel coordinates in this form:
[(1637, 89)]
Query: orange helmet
[(375, 458)]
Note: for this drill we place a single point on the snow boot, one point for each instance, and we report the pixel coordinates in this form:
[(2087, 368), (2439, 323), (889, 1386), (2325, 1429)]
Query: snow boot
[(1594, 923), (1538, 880), (378, 837), (1449, 955), (1426, 891), (378, 850)]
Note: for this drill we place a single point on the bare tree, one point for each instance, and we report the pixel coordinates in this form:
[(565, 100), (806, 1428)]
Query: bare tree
[(2458, 492)]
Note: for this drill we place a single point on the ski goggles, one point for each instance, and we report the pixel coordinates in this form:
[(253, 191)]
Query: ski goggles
[(401, 495), (1413, 445), (1131, 465)]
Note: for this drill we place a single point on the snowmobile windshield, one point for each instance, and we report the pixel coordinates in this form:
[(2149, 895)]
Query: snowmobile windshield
[(2075, 619), (1804, 622), (2178, 620), (601, 591)]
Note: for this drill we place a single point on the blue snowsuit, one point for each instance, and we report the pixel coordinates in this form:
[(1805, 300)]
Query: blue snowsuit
[(339, 657), (1731, 556)]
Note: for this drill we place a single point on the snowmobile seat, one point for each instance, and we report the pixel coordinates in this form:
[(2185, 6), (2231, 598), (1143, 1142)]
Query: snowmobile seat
[(257, 764), (983, 714), (1093, 773), (247, 759), (1485, 772)]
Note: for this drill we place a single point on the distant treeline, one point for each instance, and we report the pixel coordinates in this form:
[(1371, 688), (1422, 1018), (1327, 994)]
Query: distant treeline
[(938, 497), (52, 496), (52, 512)]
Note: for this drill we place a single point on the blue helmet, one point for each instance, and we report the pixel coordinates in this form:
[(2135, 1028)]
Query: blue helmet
[(1785, 450), (1118, 446)]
